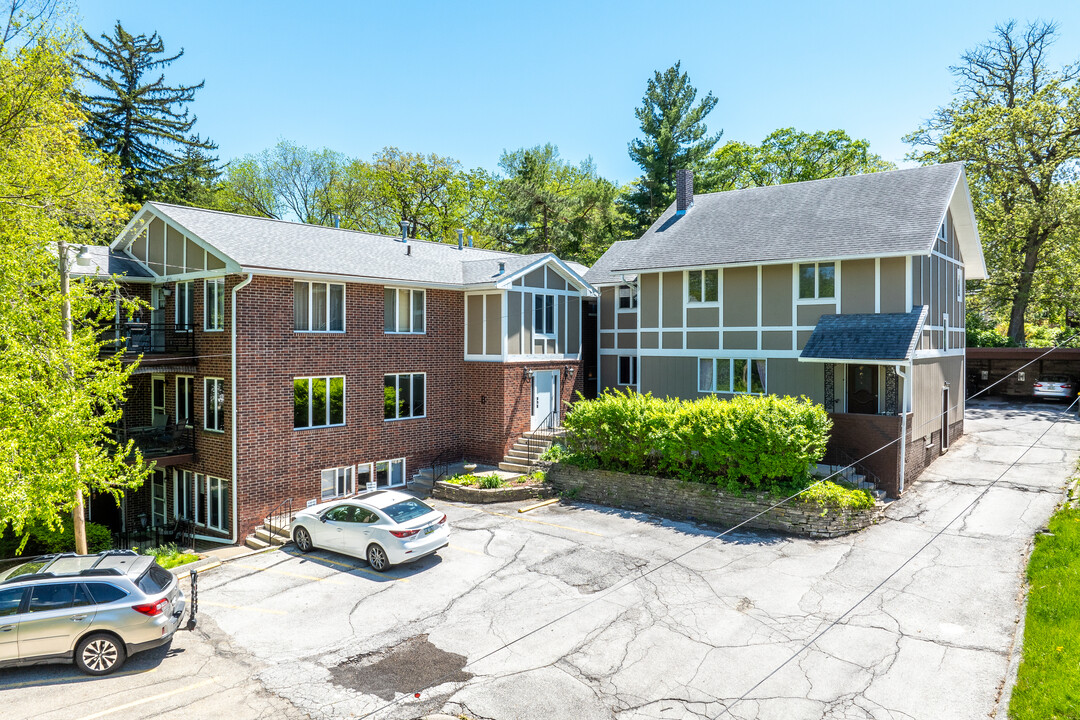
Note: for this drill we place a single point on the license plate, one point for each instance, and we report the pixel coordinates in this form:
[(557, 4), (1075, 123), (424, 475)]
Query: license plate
[(429, 530)]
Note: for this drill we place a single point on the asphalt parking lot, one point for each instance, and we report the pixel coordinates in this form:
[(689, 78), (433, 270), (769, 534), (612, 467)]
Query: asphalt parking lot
[(550, 614)]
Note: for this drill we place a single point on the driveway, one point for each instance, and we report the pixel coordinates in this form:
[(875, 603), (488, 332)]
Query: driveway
[(534, 615)]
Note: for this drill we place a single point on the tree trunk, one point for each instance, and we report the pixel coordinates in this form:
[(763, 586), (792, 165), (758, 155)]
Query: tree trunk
[(1022, 295)]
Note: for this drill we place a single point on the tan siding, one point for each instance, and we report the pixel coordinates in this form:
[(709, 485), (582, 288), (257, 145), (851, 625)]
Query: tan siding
[(174, 251), (138, 248), (928, 379), (607, 308), (669, 376), (809, 314), (776, 295), (627, 341), (776, 340), (650, 340), (526, 328), (560, 313), (740, 297), (513, 322), (609, 371), (916, 281), (703, 317), (801, 339), (740, 340), (535, 278), (672, 340), (475, 340), (493, 331), (573, 338), (555, 280), (607, 340), (213, 262), (196, 258), (893, 285), (649, 300), (626, 320), (156, 248), (702, 340), (788, 376), (551, 347), (673, 299), (857, 286)]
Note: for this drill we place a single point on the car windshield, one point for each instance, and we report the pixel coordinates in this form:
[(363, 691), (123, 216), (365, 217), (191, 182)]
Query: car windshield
[(406, 510), (1055, 379)]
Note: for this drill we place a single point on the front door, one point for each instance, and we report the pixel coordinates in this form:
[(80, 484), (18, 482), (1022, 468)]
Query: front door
[(545, 399), (863, 389)]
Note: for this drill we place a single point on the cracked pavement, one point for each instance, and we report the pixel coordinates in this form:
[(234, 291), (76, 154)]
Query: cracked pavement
[(691, 637)]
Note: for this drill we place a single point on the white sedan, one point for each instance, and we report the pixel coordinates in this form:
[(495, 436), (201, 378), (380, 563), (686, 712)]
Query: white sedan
[(385, 527)]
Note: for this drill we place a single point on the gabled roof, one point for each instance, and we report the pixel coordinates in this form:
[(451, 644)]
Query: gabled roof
[(254, 244), (603, 270), (874, 215), (866, 336), (105, 262)]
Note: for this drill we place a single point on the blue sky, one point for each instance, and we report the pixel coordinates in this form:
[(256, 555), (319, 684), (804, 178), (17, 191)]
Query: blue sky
[(469, 80)]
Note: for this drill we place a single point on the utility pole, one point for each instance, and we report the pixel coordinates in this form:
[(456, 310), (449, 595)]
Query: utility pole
[(77, 515)]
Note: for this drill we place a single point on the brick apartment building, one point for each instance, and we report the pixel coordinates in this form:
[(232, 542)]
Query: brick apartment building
[(283, 360)]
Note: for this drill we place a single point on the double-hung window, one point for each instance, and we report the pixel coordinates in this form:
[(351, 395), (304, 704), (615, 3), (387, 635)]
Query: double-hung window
[(403, 396), (403, 310), (817, 280), (627, 297), (214, 404), (337, 482), (318, 402), (544, 314), (216, 518), (214, 311), (185, 399), (732, 375), (318, 307), (703, 286), (185, 307), (182, 505), (627, 370)]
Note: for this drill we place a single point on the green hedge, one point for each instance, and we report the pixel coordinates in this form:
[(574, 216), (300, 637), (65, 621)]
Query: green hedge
[(43, 541), (748, 442)]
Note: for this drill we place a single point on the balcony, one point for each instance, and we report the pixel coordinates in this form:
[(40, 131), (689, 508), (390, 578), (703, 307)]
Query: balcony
[(143, 338), (169, 444)]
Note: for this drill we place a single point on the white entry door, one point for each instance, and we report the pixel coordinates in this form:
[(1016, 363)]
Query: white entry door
[(545, 397)]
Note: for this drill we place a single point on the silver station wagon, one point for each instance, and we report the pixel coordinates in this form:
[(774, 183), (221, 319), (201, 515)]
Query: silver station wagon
[(93, 610)]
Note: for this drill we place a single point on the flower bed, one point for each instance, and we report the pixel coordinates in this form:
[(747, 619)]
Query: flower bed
[(490, 488)]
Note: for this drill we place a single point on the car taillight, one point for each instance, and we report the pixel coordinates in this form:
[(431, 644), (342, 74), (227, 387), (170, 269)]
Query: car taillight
[(403, 533), (1066, 387), (442, 520), (1038, 385), (151, 609)]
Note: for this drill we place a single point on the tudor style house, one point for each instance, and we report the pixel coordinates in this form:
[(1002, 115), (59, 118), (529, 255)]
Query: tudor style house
[(849, 291), (282, 360)]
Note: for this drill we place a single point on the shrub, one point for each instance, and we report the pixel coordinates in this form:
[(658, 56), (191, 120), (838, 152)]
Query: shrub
[(486, 482), (834, 495), (749, 441), (555, 453), (170, 555), (490, 482), (45, 541)]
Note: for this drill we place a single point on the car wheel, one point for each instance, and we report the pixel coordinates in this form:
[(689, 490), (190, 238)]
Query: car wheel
[(100, 654), (377, 559), (302, 538)]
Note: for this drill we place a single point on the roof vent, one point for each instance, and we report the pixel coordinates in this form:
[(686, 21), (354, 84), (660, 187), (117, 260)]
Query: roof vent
[(684, 191), (461, 238), (502, 268), (404, 230)]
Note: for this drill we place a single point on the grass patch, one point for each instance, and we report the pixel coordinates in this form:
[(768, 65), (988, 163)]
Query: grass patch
[(1048, 684), (169, 556)]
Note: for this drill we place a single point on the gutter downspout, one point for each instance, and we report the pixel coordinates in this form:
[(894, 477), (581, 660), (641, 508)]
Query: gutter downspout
[(903, 372), (243, 284)]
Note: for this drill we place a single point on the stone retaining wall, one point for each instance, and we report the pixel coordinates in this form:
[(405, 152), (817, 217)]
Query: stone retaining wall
[(678, 500), (462, 493)]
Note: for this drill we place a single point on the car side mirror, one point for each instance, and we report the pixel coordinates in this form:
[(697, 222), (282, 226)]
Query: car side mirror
[(322, 518)]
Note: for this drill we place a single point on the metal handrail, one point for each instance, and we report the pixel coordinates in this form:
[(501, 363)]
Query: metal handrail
[(543, 435), (280, 517), (859, 468), (182, 533), (443, 460), (151, 338)]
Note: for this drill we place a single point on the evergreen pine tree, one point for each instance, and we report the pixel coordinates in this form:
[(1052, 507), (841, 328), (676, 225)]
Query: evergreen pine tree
[(675, 137), (141, 121)]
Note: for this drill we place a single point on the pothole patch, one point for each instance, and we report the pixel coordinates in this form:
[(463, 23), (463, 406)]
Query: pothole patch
[(589, 570), (411, 666)]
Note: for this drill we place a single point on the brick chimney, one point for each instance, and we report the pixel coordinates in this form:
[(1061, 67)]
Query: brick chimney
[(684, 191)]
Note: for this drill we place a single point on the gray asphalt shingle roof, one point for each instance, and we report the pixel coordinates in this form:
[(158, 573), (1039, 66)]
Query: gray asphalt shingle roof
[(887, 213), (866, 336), (255, 242), (603, 270)]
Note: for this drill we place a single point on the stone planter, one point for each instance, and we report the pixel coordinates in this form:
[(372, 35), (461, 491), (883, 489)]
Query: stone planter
[(678, 500), (463, 493)]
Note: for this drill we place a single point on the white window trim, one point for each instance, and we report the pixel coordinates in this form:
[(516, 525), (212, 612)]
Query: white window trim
[(217, 283), (633, 379), (553, 333), (423, 292), (189, 294), (409, 374), (731, 375), (155, 476), (351, 482), (690, 302), (224, 527), (390, 462), (817, 299), (344, 397), (154, 379), (206, 427), (634, 299), (191, 414), (311, 305), (182, 479)]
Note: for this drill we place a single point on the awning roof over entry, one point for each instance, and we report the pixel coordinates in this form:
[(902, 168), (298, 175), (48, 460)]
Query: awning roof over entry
[(889, 337)]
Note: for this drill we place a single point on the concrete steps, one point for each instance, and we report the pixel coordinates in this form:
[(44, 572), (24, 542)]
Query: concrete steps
[(850, 476), (524, 455), (267, 534)]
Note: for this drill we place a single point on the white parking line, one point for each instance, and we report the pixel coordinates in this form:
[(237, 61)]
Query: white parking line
[(152, 698)]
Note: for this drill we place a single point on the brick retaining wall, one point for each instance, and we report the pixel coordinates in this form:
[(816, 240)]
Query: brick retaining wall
[(678, 500)]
